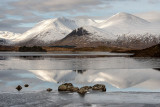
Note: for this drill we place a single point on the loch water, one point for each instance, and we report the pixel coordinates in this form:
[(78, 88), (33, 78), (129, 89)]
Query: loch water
[(119, 72)]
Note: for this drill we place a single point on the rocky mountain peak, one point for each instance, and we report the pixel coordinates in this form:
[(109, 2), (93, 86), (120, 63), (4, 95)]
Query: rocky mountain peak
[(79, 32)]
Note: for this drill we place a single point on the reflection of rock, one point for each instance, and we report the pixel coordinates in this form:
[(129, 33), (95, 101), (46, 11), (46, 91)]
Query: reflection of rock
[(99, 87), (80, 71), (18, 87)]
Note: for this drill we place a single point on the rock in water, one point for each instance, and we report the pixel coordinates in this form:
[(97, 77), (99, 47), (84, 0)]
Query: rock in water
[(99, 87), (87, 87), (66, 87), (68, 84), (74, 89), (49, 89), (82, 91), (18, 87), (62, 88), (26, 85)]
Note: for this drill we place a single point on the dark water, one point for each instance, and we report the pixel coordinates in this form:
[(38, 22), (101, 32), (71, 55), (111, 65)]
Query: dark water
[(118, 72)]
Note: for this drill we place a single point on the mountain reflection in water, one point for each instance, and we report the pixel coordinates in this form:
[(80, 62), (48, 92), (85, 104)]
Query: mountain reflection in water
[(49, 70), (119, 78)]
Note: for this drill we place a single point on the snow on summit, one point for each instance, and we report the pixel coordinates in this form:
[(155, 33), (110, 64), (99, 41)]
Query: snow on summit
[(123, 18), (56, 29), (123, 23)]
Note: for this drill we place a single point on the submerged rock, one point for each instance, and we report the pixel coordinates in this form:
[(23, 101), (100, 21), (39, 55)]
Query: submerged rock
[(18, 87), (26, 85), (49, 90), (99, 87)]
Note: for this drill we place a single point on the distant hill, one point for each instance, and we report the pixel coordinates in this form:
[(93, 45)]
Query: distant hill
[(153, 51)]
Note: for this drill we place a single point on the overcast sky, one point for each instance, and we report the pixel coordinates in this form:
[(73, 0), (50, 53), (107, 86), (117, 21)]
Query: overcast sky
[(20, 15)]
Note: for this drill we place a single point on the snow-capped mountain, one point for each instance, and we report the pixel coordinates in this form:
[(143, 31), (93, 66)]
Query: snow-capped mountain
[(58, 30), (54, 29), (8, 37), (124, 23)]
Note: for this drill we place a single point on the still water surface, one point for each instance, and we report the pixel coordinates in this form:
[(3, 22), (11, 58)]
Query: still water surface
[(48, 70)]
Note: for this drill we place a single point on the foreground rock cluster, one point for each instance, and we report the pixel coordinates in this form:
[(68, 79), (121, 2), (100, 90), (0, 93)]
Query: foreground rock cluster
[(68, 87), (19, 87), (83, 90)]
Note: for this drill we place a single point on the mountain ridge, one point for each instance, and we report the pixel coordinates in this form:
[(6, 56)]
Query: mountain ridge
[(53, 31)]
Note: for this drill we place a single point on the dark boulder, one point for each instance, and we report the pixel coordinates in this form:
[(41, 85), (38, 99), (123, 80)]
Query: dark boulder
[(82, 91), (66, 87), (68, 84), (49, 90), (74, 89), (18, 87), (62, 88), (87, 87), (100, 87), (26, 85)]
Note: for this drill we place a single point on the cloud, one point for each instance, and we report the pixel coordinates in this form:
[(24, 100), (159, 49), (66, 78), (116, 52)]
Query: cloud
[(56, 5), (33, 11), (62, 5), (12, 25), (153, 1)]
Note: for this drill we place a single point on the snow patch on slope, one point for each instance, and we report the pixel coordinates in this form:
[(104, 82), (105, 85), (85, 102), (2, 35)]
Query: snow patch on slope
[(99, 34), (55, 29)]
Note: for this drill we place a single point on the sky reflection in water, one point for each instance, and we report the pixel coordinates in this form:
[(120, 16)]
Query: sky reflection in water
[(118, 73)]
